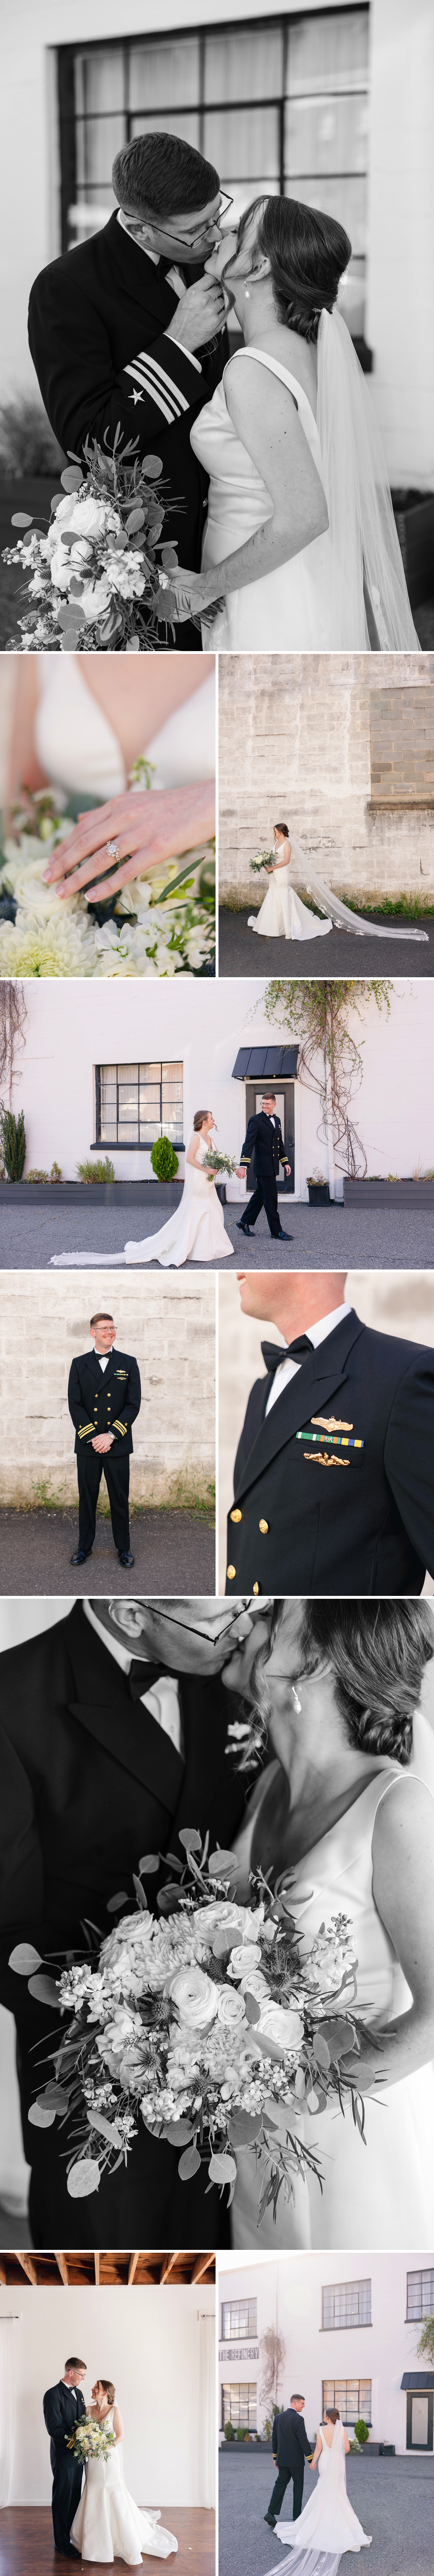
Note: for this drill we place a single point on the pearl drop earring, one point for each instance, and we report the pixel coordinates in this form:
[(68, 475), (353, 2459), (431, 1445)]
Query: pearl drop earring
[(297, 1701)]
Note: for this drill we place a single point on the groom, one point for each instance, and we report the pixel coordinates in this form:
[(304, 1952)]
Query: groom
[(290, 2449), (126, 330), (115, 1732), (63, 2405), (265, 1141), (104, 1397)]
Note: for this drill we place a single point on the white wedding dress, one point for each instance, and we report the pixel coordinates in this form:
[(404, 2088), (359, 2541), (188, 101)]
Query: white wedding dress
[(367, 2191), (79, 750), (284, 916), (108, 2524), (316, 601), (195, 1232), (327, 2527)]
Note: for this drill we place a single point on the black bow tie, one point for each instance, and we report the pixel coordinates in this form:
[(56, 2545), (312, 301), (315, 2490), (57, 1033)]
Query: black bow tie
[(294, 1351), (143, 1678)]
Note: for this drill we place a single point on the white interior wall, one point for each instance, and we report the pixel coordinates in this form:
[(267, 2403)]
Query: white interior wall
[(147, 2340)]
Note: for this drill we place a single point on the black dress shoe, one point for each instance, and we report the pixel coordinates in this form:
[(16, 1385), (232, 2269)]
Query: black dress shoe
[(125, 1557), (80, 1558), (242, 1228), (281, 1237), (271, 2518)]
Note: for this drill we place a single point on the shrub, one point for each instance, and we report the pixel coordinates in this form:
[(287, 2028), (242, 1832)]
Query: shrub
[(164, 1161), (361, 2431), (229, 2433), (240, 2433), (36, 1176), (13, 1142), (55, 1174), (27, 443), (95, 1170)]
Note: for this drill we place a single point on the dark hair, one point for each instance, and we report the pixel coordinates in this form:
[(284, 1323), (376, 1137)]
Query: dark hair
[(109, 2390), (332, 2413), (296, 2399), (74, 2363), (307, 253), (282, 827), (102, 1318), (159, 174), (268, 1095), (199, 1116), (377, 1650)]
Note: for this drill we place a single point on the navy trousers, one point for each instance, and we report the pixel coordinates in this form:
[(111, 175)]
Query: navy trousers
[(90, 1468)]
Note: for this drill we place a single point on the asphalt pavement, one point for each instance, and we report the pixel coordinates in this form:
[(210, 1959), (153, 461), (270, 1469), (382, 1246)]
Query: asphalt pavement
[(394, 2500), (173, 1552), (241, 952), (321, 1238)]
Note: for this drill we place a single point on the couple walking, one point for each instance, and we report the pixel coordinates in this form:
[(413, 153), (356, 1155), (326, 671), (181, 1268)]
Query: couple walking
[(327, 2525), (103, 2523), (272, 456)]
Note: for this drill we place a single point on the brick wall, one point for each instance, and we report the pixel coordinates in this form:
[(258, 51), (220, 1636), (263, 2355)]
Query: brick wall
[(402, 747), (170, 1326), (294, 739)]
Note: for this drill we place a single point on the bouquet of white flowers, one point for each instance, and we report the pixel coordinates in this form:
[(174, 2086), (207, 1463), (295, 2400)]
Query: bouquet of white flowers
[(89, 2440), (264, 859), (206, 2024), (94, 583), (218, 1163)]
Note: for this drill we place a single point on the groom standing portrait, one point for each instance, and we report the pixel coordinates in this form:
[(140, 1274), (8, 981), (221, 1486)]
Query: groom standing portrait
[(127, 331), (104, 1397), (265, 1141), (62, 2405)]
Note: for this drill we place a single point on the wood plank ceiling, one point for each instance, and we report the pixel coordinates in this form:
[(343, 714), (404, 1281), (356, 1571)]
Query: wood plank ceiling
[(124, 2270)]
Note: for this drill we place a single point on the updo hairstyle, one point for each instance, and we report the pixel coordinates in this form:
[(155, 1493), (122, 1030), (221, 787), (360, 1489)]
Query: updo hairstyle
[(308, 253)]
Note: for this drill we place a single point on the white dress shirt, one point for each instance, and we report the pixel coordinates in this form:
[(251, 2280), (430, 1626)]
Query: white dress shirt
[(103, 1357), (316, 1333), (163, 1700)]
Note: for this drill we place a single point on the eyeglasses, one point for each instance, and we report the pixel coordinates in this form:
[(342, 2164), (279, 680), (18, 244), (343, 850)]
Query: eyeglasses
[(209, 231)]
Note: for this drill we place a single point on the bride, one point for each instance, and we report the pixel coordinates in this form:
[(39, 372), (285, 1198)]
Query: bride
[(300, 537), (327, 2527), (108, 2524), (284, 916), (195, 1232), (333, 1687)]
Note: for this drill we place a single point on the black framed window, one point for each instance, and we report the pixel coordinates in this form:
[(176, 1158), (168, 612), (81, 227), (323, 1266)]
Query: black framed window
[(239, 2404), (135, 1103), (279, 104), (353, 2398), (420, 2294), (239, 2317), (346, 2303)]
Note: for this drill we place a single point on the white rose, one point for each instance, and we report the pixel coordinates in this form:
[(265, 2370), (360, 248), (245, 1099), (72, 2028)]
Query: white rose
[(81, 551), (95, 597), (254, 1984), (220, 1917), (248, 1956), (88, 516), (61, 569), (285, 2029), (195, 1996), (231, 2009)]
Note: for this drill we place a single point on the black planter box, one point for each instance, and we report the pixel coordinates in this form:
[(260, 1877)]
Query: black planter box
[(76, 1193), (319, 1194), (389, 1194)]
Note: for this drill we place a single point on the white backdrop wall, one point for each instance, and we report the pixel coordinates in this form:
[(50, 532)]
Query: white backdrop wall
[(70, 1029), (148, 2341)]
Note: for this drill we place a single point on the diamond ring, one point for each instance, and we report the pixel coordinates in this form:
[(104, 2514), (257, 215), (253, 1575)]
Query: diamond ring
[(113, 851)]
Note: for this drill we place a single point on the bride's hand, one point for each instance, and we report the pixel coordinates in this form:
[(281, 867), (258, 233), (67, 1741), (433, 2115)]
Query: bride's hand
[(191, 594), (149, 829)]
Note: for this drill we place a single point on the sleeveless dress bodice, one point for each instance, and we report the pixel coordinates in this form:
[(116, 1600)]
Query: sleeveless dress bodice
[(79, 750), (366, 2194), (281, 610)]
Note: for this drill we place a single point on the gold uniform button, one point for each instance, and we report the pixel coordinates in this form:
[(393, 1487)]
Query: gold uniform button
[(231, 1572), (256, 1587), (263, 1525), (235, 1516)]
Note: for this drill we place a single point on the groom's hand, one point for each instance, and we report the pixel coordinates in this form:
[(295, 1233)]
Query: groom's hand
[(200, 313), (103, 1441)]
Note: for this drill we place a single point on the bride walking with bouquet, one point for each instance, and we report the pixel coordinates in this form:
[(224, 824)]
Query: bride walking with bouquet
[(195, 1232)]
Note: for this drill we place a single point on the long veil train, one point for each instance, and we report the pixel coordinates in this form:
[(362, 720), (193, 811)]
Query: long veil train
[(330, 2525), (340, 913)]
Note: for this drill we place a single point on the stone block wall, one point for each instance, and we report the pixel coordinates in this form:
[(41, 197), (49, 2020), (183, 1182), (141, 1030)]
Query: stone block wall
[(294, 740), (170, 1326)]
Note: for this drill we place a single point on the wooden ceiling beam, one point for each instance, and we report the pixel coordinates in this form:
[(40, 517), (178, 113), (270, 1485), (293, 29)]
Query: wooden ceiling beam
[(201, 2266), (3, 2274), (167, 2266), (96, 2262), (62, 2267), (132, 2267), (28, 2267)]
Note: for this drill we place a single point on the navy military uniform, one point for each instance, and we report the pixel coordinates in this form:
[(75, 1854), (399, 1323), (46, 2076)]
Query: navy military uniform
[(333, 1489), (265, 1141), (63, 2407), (105, 1399), (291, 2448)]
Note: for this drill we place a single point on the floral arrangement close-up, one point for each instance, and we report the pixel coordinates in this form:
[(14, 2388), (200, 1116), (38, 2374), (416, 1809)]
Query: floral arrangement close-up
[(163, 925), (264, 859), (92, 580), (89, 2440), (204, 2021)]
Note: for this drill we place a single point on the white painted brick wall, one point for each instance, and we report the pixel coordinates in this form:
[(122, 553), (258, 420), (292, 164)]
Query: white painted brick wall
[(294, 742), (168, 1324)]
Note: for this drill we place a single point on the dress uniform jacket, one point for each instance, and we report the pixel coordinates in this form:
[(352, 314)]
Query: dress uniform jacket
[(104, 1400), (334, 1491), (265, 1142), (98, 337), (289, 2439)]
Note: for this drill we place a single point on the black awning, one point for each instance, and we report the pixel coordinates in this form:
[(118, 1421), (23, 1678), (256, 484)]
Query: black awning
[(418, 2379), (275, 1064)]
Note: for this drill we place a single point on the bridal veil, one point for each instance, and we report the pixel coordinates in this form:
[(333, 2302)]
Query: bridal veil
[(364, 542)]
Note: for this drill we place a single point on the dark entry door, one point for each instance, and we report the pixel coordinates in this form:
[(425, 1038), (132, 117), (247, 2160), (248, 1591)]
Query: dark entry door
[(284, 1111), (420, 2419)]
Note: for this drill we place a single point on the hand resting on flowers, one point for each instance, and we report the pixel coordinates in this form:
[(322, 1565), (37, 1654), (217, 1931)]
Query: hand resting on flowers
[(148, 830)]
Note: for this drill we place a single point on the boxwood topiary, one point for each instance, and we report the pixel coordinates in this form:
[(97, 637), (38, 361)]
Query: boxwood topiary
[(164, 1160)]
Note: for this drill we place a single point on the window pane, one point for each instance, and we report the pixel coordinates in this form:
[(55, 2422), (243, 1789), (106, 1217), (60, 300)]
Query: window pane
[(107, 1131), (238, 2318), (99, 80), (326, 134), (243, 143), (345, 198), (164, 76), (179, 123), (245, 65), (420, 2294), (239, 2403), (328, 52), (97, 141)]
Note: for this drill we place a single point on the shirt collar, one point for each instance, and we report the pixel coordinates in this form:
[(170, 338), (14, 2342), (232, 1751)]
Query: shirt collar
[(317, 1333)]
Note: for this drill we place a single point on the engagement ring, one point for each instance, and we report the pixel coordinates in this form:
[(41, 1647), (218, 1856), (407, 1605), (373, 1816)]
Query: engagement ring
[(113, 851)]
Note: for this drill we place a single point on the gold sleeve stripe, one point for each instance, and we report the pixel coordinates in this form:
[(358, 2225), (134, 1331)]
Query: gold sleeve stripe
[(86, 1430), (120, 1426)]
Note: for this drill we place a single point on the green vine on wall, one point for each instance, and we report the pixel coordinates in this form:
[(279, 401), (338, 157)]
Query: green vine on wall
[(316, 1013)]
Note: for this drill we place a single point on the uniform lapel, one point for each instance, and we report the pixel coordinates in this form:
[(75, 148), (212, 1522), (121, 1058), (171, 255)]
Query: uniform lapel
[(318, 1380), (138, 275), (99, 1699)]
